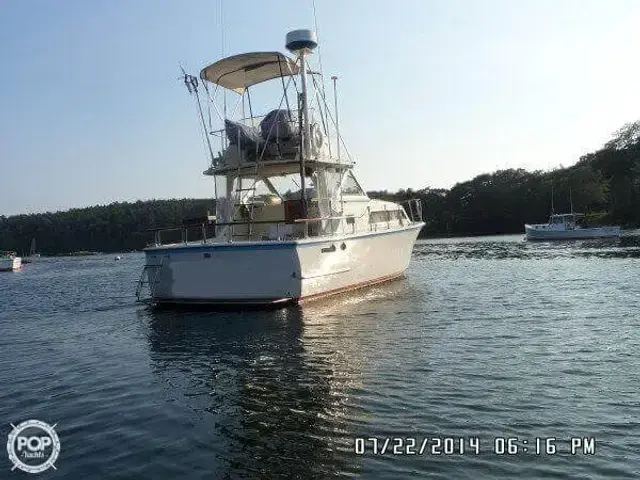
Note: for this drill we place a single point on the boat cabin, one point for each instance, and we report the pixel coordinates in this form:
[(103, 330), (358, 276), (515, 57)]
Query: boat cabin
[(283, 173), (569, 221)]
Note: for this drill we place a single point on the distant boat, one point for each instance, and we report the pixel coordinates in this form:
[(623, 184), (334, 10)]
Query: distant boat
[(565, 226), (10, 262), (33, 256)]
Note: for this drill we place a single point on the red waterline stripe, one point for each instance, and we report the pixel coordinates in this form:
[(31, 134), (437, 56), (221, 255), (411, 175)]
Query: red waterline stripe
[(308, 298), (355, 286)]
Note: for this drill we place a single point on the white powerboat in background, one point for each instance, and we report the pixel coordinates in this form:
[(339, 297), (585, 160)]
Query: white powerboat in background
[(565, 227), (292, 222), (10, 262)]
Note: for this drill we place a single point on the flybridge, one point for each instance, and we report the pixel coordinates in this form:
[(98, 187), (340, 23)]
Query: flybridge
[(298, 136), (300, 127)]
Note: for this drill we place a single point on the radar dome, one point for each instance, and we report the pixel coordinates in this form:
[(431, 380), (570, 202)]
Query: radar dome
[(301, 40)]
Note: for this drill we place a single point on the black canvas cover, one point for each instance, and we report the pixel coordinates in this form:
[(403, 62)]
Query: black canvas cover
[(244, 136), (278, 125)]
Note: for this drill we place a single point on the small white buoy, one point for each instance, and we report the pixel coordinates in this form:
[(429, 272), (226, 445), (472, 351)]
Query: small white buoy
[(118, 257)]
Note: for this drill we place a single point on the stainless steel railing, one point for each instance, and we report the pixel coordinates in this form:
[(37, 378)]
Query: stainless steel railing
[(311, 227), (414, 207), (203, 232)]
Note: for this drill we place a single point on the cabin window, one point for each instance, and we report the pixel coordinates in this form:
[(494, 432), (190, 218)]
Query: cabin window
[(350, 185), (377, 217), (385, 216)]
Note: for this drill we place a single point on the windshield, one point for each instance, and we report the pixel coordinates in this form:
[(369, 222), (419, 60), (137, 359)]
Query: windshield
[(288, 186)]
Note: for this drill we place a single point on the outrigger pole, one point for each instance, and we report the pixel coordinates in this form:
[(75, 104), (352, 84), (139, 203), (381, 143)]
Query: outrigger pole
[(191, 83)]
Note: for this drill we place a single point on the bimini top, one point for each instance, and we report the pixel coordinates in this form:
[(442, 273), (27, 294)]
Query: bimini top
[(241, 71)]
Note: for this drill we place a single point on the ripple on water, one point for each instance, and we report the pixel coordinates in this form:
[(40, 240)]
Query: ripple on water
[(485, 337)]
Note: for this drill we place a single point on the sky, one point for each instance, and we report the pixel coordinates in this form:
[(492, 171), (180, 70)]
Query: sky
[(432, 92)]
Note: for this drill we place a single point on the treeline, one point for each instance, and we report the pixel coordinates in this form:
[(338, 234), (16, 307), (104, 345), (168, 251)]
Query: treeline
[(605, 185), (110, 228)]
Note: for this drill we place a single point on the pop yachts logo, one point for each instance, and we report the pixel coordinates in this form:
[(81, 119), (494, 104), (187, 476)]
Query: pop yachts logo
[(33, 446)]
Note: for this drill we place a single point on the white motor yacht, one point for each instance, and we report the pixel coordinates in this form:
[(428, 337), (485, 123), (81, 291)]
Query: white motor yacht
[(292, 222)]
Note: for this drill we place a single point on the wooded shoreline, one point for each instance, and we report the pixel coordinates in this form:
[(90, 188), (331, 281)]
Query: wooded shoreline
[(605, 185)]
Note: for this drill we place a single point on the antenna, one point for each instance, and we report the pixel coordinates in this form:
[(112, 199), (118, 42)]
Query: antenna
[(335, 102), (324, 96), (224, 93), (553, 211), (315, 29)]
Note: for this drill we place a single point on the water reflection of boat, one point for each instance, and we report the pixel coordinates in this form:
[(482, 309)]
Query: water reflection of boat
[(292, 222), (267, 403)]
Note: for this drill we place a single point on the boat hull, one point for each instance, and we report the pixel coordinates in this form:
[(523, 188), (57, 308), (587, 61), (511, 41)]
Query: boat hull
[(277, 272), (533, 233), (10, 264)]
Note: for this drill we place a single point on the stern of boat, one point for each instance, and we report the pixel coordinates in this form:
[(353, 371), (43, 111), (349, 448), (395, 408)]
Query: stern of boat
[(233, 273)]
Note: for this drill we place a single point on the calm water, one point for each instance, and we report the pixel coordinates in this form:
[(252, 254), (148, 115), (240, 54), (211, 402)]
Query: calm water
[(486, 337)]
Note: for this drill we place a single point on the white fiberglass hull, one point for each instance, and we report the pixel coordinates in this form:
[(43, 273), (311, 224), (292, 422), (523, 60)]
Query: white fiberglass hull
[(535, 232), (273, 272), (8, 264)]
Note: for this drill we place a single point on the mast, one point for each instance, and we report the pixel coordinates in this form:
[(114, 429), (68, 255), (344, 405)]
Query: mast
[(306, 133), (571, 200), (305, 106), (302, 43)]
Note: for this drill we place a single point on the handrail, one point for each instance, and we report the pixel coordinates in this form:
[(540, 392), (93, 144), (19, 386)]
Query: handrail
[(320, 219), (191, 225), (415, 215), (224, 224), (415, 208), (203, 226)]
